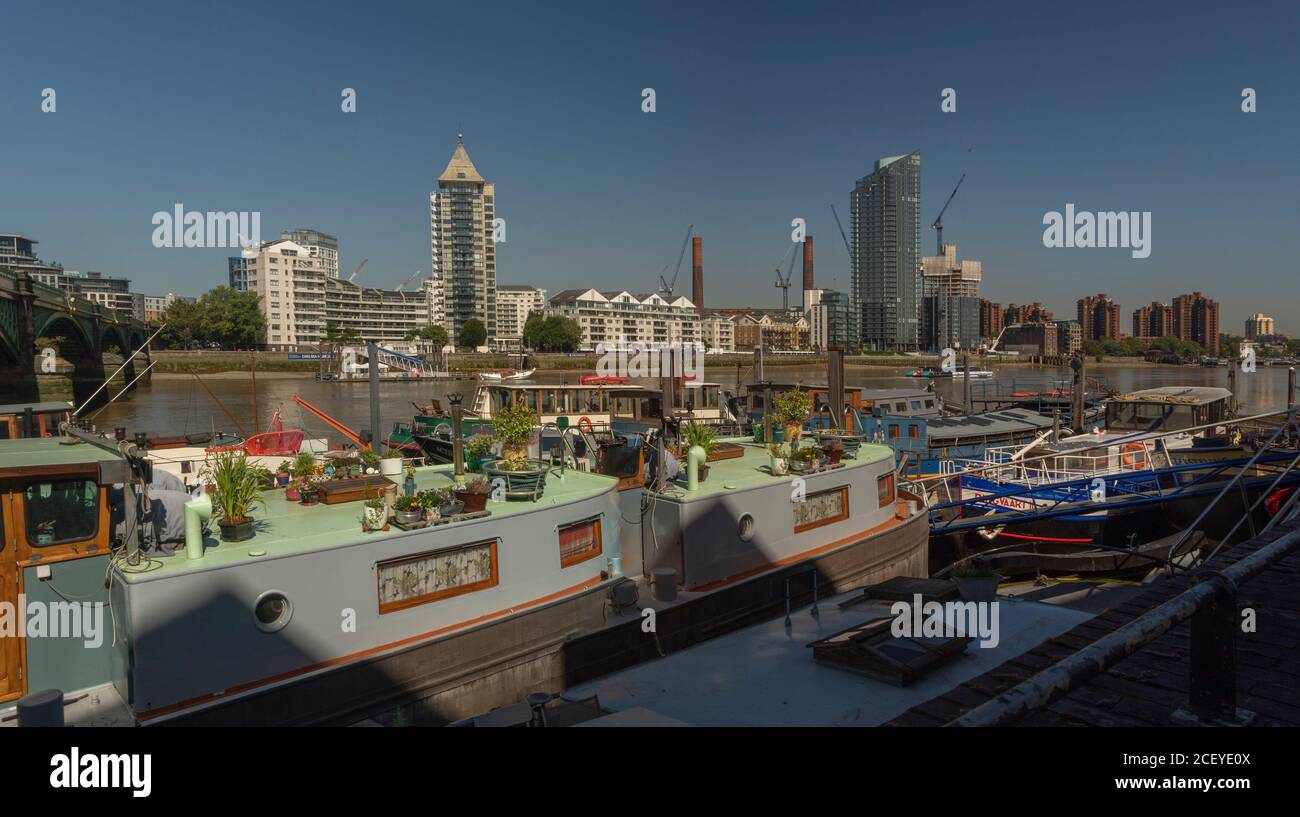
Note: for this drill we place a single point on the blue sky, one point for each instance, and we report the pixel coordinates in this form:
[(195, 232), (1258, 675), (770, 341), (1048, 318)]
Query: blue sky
[(765, 112)]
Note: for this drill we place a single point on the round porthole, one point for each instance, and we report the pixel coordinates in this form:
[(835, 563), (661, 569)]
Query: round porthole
[(746, 527), (272, 611)]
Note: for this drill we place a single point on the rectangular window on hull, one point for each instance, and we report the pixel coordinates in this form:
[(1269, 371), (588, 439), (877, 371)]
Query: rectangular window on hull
[(65, 510), (427, 577), (885, 489), (821, 508), (579, 542)]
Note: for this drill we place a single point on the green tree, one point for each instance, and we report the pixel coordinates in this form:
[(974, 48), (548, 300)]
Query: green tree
[(532, 330), (232, 318), (473, 333), (184, 325), (558, 334), (433, 334), (341, 335)]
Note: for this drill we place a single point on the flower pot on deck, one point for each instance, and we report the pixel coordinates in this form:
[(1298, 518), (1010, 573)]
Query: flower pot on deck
[(473, 502), (979, 588), (236, 531), (527, 482), (390, 466)]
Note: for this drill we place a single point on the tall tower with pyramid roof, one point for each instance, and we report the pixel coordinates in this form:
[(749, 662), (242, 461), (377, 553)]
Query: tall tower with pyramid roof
[(461, 215)]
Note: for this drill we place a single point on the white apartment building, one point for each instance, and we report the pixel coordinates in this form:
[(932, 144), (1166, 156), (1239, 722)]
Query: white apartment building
[(461, 215), (318, 245), (717, 332), (619, 317), (156, 305), (514, 304)]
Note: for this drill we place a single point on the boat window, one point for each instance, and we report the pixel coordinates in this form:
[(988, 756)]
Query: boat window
[(599, 400), (548, 401), (885, 489), (622, 406), (893, 431), (579, 542), (914, 431), (435, 575), (929, 404), (916, 405), (562, 401), (64, 510), (900, 407), (756, 402)]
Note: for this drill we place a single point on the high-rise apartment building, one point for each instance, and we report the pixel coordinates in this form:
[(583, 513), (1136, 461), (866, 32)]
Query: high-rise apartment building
[(1026, 313), (1154, 321), (461, 215), (991, 320), (1196, 318), (318, 245), (951, 305), (1099, 317), (1260, 325), (885, 268)]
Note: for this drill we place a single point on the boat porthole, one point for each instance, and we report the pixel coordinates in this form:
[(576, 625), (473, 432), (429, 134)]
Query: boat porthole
[(272, 611), (746, 527)]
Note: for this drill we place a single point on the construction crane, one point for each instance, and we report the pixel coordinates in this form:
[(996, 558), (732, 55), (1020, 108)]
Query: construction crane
[(358, 269), (937, 226), (783, 284), (665, 287), (842, 235)]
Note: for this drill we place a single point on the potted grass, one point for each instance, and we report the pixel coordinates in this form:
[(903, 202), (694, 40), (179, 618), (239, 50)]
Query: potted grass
[(976, 580), (238, 486), (791, 409), (706, 437), (524, 478), (407, 510), (477, 449), (474, 495), (301, 469), (390, 465)]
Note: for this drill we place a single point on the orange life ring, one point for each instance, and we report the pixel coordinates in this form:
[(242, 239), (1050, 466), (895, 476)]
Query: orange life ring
[(1128, 450), (584, 425)]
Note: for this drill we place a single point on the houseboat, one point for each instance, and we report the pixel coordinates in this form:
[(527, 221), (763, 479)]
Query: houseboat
[(316, 619), (33, 419), (893, 402)]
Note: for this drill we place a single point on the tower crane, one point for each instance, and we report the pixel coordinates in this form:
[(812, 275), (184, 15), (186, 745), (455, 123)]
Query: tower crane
[(358, 269), (937, 226), (783, 284), (665, 287)]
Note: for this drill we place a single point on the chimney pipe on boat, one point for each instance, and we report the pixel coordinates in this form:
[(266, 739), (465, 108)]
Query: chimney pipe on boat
[(457, 440), (1076, 395), (197, 511), (694, 459), (835, 385)]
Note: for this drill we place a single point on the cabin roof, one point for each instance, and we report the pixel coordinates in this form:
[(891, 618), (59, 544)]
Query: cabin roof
[(38, 451), (610, 387), (1191, 395), (991, 422), (37, 408)]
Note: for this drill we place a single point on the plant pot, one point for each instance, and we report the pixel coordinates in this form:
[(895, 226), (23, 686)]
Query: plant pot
[(979, 588), (704, 472), (236, 531), (528, 483), (390, 466), (310, 497), (777, 466), (281, 480), (833, 454), (451, 508), (473, 503), (292, 494), (374, 517), (409, 517)]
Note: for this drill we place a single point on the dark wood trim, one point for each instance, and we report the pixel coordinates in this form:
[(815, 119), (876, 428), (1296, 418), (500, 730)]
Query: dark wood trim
[(584, 555), (441, 594), (29, 554), (844, 492), (893, 493)]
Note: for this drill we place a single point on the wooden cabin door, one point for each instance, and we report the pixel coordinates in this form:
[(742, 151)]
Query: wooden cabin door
[(11, 682)]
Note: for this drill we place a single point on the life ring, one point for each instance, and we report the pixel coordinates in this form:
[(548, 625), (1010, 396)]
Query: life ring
[(584, 425), (1129, 449)]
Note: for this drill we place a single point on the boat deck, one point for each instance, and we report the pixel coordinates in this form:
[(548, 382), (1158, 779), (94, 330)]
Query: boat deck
[(286, 528), (751, 470), (765, 675)]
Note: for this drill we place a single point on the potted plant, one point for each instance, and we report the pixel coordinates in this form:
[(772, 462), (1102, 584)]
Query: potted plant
[(477, 449), (976, 580), (238, 490), (282, 473), (791, 409), (390, 465), (525, 479), (293, 491), (369, 461), (805, 460), (374, 513), (407, 510), (448, 504), (309, 493), (833, 450), (428, 502), (776, 459), (474, 495)]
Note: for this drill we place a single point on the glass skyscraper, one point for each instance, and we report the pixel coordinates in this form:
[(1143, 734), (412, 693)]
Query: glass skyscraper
[(885, 215)]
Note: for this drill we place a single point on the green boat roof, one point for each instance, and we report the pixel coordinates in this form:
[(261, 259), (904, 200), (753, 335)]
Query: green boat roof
[(38, 451)]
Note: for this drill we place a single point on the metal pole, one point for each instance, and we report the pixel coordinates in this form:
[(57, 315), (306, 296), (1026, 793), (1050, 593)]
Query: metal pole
[(835, 385), (767, 413), (1290, 388), (965, 364), (372, 350), (1076, 395), (457, 441)]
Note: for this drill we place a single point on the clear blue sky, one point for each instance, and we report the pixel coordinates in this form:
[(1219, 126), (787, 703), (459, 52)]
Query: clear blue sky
[(765, 112)]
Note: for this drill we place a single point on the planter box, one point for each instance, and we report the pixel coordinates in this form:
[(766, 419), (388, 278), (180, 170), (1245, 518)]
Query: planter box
[(528, 484), (473, 502), (352, 490)]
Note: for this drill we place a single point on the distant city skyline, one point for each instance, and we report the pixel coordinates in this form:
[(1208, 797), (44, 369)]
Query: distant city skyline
[(760, 118)]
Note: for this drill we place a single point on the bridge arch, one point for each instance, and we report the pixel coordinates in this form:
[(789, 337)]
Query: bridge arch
[(83, 351)]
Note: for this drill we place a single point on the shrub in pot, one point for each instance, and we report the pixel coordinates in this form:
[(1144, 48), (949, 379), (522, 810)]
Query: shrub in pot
[(791, 409), (833, 450), (309, 493), (474, 495), (374, 513), (283, 472), (477, 448), (514, 425), (237, 490), (976, 580), (407, 510), (369, 461)]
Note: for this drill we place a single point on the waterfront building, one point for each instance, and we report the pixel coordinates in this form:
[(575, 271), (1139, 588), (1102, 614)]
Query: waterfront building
[(991, 320), (1259, 326), (1154, 321), (155, 306), (617, 318), (1196, 318), (885, 265), (514, 304), (1031, 339), (773, 329), (717, 331), (1069, 337), (461, 215), (951, 308), (18, 254), (1099, 317), (318, 245), (1026, 313)]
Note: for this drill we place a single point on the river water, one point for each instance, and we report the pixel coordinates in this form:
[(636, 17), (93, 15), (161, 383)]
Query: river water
[(176, 404)]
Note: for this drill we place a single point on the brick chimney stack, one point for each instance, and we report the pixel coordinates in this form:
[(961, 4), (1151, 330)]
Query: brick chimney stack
[(808, 263), (697, 272)]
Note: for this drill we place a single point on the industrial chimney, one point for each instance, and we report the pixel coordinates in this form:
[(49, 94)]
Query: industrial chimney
[(807, 263), (697, 272)]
